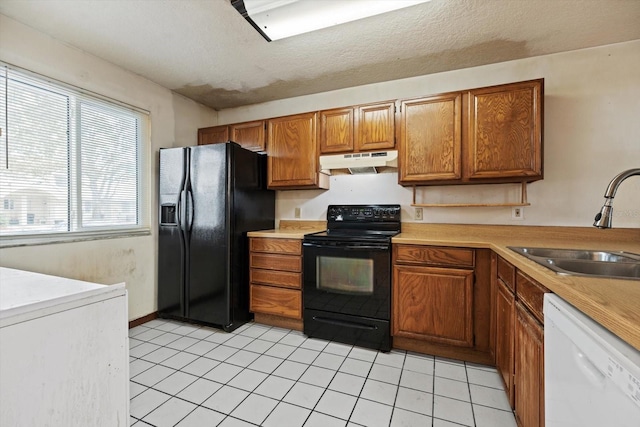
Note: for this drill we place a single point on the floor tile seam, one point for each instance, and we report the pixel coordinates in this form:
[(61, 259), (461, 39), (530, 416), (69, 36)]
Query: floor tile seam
[(467, 382), (473, 412), (141, 372), (179, 391), (156, 407), (180, 420), (395, 398), (492, 407), (449, 421), (433, 396)]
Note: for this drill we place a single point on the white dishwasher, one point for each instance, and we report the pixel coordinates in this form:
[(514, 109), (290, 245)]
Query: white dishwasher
[(592, 377)]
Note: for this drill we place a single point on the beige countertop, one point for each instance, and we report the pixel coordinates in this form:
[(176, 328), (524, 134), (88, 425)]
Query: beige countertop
[(291, 229), (615, 304)]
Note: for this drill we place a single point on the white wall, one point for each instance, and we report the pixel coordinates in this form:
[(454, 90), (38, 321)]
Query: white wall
[(591, 132), (174, 122)]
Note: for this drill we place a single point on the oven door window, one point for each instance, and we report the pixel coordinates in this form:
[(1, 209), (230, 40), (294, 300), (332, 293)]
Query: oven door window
[(354, 276)]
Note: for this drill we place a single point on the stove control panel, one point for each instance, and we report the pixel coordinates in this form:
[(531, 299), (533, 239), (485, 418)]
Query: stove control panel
[(363, 213)]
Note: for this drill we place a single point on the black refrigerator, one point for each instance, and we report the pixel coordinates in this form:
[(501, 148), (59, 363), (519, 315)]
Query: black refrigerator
[(210, 197)]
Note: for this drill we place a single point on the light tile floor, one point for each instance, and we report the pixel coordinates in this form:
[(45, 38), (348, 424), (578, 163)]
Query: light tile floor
[(191, 376)]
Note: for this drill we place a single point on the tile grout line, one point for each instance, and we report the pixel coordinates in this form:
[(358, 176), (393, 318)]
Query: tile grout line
[(321, 351)]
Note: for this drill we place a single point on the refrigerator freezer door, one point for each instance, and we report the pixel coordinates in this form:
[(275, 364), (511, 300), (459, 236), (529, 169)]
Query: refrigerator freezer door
[(171, 242), (208, 220)]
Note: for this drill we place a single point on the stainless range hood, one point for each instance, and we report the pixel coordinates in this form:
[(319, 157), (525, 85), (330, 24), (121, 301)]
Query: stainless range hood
[(360, 162)]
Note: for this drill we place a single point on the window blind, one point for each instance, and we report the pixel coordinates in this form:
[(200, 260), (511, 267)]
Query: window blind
[(69, 162)]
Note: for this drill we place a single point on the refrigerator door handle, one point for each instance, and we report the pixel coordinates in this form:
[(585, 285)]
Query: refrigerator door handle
[(191, 211), (179, 209)]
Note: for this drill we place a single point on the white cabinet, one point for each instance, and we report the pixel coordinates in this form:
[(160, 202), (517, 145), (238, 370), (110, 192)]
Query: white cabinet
[(64, 354)]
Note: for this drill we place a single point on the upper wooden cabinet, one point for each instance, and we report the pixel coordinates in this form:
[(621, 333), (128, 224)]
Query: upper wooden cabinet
[(505, 132), (250, 135), (487, 135), (336, 130), (359, 128), (293, 153), (213, 135), (430, 139), (375, 126)]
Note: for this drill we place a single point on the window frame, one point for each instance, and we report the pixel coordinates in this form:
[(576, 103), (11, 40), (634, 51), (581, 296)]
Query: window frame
[(144, 178)]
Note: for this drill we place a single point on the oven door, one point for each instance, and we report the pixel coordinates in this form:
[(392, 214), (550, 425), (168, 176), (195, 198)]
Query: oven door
[(347, 292), (348, 277)]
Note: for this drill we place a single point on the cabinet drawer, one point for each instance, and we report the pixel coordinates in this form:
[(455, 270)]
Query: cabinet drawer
[(285, 279), (276, 262), (531, 294), (507, 273), (414, 254), (276, 246), (276, 301)]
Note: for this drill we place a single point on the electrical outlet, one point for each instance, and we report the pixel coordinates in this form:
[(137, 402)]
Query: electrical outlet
[(517, 213), (418, 214), (296, 212)]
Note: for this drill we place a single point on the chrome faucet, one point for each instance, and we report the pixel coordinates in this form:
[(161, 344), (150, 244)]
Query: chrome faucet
[(603, 218)]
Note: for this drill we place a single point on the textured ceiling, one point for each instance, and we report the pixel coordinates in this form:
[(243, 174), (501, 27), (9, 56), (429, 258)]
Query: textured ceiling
[(206, 51)]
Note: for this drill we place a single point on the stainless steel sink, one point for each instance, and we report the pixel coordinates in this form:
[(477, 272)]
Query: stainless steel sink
[(626, 270), (584, 254), (581, 262)]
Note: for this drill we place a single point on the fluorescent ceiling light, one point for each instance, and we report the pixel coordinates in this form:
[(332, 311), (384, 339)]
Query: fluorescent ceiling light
[(277, 19)]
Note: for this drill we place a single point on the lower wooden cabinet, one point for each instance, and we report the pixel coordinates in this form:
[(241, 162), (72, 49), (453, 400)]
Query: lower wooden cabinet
[(433, 304), (519, 342), (505, 319), (275, 273), (441, 301), (529, 369)]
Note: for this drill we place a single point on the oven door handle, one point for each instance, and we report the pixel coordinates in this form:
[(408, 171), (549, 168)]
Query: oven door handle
[(348, 246), (356, 325)]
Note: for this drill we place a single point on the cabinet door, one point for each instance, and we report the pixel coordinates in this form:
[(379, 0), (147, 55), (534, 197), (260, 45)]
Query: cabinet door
[(249, 135), (292, 150), (505, 318), (213, 135), (336, 130), (375, 126), (430, 139), (433, 304), (505, 131), (529, 369)]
